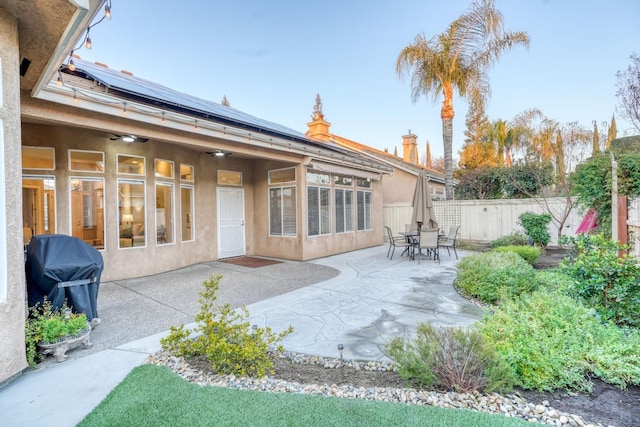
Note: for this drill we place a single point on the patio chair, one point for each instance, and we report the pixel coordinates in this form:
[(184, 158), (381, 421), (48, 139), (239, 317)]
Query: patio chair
[(429, 242), (396, 241), (450, 240)]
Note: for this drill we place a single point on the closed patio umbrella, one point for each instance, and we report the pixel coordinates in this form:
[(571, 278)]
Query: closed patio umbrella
[(423, 213)]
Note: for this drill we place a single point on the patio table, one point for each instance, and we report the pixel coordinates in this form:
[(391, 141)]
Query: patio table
[(412, 237)]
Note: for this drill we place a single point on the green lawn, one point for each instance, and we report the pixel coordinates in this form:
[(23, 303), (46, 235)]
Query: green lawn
[(154, 396)]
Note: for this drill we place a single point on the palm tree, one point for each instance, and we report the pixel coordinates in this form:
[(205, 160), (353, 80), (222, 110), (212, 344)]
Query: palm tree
[(459, 58)]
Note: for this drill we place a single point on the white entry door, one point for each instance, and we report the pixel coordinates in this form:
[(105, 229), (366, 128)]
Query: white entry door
[(230, 222)]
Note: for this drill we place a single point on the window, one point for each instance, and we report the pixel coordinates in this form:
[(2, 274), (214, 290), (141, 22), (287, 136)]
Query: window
[(342, 179), (344, 210), (164, 213), (86, 161), (363, 182), (282, 175), (186, 214), (318, 178), (42, 158), (87, 210), (282, 211), (131, 213), (364, 210), (229, 177), (38, 206), (318, 211), (164, 168), (132, 165), (186, 172)]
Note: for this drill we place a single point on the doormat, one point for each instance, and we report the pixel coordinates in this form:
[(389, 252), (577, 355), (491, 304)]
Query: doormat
[(247, 261)]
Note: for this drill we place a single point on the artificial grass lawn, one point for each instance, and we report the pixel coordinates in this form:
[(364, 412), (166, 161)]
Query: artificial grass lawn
[(154, 396)]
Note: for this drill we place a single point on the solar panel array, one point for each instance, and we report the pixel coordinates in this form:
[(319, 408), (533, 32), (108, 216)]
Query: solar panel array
[(157, 93)]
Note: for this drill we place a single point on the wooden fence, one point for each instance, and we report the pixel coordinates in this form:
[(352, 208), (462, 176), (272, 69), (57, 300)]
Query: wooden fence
[(485, 220)]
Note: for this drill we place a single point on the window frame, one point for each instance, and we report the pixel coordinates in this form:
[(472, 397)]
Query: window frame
[(155, 168), (144, 213), (294, 190), (104, 210), (192, 217), (173, 211), (73, 150), (193, 172), (367, 227), (320, 225), (144, 165), (344, 191), (53, 157)]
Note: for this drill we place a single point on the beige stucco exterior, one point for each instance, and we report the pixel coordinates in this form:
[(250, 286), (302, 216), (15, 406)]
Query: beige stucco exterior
[(35, 113), (398, 185), (12, 290)]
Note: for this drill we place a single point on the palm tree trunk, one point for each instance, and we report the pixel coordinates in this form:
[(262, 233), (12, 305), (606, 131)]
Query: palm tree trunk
[(447, 139)]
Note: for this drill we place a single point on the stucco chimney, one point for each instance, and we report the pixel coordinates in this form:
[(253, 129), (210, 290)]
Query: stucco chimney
[(318, 127), (410, 148)]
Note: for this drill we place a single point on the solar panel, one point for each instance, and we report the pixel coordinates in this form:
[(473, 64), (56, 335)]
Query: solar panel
[(161, 94)]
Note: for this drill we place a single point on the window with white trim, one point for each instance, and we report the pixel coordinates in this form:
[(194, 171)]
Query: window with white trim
[(318, 211), (131, 213), (282, 211), (344, 210), (187, 205), (365, 210), (87, 210), (164, 213)]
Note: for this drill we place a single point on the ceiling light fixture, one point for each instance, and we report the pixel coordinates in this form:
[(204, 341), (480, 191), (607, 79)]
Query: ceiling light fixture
[(218, 153), (128, 138)]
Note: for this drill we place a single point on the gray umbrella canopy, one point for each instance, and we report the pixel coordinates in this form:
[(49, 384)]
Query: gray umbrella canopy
[(423, 212)]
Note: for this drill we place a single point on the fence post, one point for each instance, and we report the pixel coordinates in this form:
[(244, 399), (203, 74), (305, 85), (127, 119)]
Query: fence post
[(623, 227)]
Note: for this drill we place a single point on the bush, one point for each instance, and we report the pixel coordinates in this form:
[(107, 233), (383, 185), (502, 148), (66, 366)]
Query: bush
[(535, 226), (516, 239), (554, 280), (527, 253), (551, 342), (226, 338), (450, 358), (492, 276), (46, 324), (603, 280)]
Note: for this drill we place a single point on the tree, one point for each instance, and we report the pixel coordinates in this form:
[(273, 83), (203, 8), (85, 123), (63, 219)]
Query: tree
[(613, 131), (629, 92), (592, 183), (478, 150), (477, 122), (595, 147), (457, 59)]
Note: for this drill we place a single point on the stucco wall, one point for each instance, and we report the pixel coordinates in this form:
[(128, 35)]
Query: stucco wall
[(142, 261), (12, 303)]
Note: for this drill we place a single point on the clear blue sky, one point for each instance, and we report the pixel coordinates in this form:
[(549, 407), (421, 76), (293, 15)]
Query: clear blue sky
[(271, 58)]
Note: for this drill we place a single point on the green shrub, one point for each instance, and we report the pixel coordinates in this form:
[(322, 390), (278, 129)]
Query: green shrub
[(46, 324), (552, 342), (535, 226), (516, 239), (527, 253), (492, 276), (226, 338), (602, 280), (450, 358), (554, 280)]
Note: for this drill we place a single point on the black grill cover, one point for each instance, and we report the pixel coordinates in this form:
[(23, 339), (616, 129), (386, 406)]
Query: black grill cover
[(56, 266)]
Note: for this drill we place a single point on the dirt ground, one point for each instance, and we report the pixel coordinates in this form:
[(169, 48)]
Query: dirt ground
[(606, 404)]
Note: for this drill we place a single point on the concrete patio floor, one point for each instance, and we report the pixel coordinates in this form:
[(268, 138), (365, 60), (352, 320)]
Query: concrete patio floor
[(359, 299)]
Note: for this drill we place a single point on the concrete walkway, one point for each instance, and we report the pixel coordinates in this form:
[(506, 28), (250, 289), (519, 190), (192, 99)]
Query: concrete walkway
[(359, 299)]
